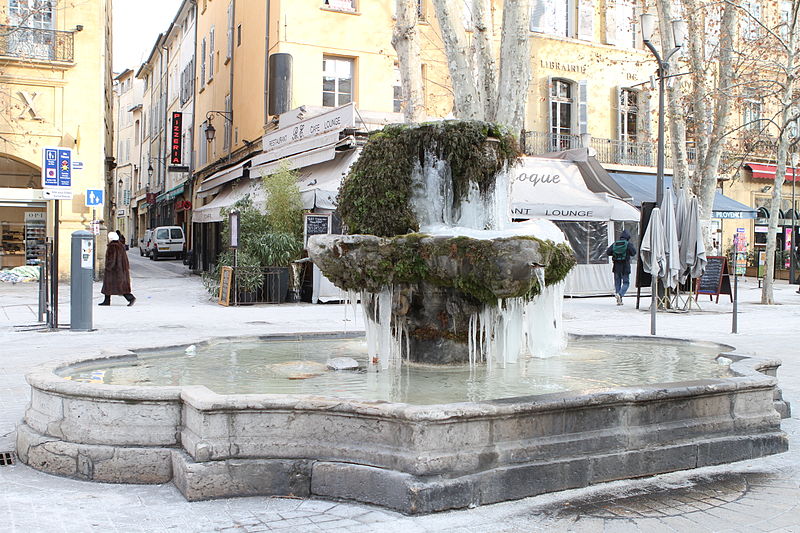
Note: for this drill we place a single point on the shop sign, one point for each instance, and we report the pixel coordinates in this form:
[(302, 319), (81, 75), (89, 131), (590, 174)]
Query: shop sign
[(176, 144), (120, 212), (337, 119), (94, 227), (34, 217)]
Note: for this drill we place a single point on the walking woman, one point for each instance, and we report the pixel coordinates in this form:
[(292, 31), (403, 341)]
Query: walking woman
[(117, 279)]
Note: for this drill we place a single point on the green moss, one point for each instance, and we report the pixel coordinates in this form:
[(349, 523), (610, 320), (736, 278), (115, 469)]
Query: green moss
[(375, 197), (407, 259)]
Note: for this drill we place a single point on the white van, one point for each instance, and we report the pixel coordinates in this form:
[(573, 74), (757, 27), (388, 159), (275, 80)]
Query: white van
[(167, 240), (144, 243)]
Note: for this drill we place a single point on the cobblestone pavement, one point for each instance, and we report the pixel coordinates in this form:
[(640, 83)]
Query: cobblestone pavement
[(750, 496)]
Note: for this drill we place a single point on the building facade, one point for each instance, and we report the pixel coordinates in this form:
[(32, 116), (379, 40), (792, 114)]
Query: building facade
[(55, 91)]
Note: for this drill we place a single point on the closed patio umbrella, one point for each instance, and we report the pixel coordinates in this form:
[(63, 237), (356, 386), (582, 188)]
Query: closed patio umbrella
[(697, 259), (672, 263), (654, 257)]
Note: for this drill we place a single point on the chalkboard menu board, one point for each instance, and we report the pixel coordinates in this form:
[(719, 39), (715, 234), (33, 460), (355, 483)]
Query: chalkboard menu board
[(225, 277), (317, 225), (715, 280)]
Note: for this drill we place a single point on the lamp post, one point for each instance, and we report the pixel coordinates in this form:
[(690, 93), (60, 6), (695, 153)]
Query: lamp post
[(793, 247), (648, 21)]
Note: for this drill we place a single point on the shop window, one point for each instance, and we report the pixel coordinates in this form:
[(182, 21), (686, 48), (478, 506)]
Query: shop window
[(337, 81), (589, 241)]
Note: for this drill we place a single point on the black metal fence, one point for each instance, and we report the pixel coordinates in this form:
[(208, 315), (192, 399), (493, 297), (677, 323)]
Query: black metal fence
[(36, 43), (258, 285)]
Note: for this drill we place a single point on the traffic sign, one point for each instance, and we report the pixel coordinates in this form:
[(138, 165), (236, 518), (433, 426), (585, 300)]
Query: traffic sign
[(64, 167), (57, 194), (50, 167), (94, 197)]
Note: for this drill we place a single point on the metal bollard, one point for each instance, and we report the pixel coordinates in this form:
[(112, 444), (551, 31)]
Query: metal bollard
[(81, 274)]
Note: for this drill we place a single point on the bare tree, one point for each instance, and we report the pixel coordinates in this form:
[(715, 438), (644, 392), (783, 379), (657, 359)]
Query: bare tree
[(485, 86), (405, 40)]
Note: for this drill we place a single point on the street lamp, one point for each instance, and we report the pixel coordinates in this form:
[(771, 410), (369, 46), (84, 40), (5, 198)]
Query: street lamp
[(648, 21), (211, 131), (150, 171)]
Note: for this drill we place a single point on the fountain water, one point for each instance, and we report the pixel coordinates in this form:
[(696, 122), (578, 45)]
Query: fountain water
[(460, 289)]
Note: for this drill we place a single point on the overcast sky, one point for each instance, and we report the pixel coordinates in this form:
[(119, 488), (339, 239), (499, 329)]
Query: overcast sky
[(136, 24)]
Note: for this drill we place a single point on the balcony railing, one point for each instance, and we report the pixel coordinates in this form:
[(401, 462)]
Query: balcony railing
[(35, 43), (610, 151)]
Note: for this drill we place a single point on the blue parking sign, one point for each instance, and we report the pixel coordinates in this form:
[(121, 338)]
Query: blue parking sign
[(50, 167), (94, 197)]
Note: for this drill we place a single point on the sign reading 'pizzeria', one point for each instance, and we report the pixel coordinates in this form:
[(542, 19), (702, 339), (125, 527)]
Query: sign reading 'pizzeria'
[(177, 121)]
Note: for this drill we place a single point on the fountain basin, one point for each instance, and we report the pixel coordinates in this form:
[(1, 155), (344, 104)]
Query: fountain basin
[(412, 458)]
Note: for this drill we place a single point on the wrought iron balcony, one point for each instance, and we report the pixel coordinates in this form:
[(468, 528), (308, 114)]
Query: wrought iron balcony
[(36, 43)]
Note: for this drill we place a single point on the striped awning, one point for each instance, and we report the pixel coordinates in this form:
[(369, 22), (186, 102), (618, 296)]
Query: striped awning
[(170, 194), (767, 172)]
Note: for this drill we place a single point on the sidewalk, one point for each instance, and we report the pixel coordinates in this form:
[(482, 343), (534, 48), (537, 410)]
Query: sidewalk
[(758, 495)]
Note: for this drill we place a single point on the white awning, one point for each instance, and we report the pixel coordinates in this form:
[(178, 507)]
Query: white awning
[(554, 189), (319, 184), (229, 195)]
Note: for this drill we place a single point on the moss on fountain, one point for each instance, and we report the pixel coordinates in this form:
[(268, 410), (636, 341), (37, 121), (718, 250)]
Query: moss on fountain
[(375, 196), (482, 270)]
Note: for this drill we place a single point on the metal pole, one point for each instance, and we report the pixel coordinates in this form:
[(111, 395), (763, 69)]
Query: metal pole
[(660, 156), (54, 270), (793, 247), (734, 325)]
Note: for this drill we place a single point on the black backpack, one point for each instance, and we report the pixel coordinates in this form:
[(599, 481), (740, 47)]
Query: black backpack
[(619, 250)]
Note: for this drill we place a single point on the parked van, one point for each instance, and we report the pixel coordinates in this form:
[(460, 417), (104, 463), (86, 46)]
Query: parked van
[(144, 243), (167, 240)]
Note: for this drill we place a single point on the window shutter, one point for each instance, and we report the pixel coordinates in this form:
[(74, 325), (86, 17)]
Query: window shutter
[(616, 108), (229, 35), (549, 101), (645, 122), (583, 106), (538, 10), (586, 20), (611, 22)]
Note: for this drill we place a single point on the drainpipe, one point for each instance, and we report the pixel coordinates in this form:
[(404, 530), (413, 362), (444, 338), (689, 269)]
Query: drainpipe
[(266, 68), (230, 82), (190, 181), (164, 143)]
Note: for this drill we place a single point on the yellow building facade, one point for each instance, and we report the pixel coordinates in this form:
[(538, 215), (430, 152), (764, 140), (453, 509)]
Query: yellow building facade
[(55, 91)]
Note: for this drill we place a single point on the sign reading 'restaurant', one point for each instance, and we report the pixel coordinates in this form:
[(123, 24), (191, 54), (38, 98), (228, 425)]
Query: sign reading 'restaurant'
[(336, 119)]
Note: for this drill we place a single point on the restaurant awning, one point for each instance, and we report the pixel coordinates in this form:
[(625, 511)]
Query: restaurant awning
[(596, 178), (319, 184), (767, 172), (642, 187), (555, 189), (229, 195), (170, 194)]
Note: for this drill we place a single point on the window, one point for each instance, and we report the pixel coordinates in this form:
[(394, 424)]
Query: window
[(751, 29), (628, 115), (751, 114), (239, 35), (36, 20), (229, 35), (203, 145), (397, 99), (211, 54), (626, 23), (337, 81), (786, 17), (589, 240), (561, 100), (187, 82), (553, 17), (163, 233), (203, 63), (340, 5)]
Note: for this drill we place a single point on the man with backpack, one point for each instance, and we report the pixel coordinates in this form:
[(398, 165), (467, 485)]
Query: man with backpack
[(621, 252)]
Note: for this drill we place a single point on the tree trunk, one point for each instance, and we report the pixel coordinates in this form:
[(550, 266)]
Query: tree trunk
[(787, 116), (405, 40), (465, 94), (674, 97), (483, 55), (515, 65)]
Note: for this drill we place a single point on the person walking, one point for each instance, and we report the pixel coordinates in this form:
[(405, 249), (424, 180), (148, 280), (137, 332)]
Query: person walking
[(117, 279), (621, 252)]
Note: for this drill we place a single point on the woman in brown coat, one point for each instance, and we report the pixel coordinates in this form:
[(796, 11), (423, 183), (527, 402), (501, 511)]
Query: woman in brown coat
[(117, 279)]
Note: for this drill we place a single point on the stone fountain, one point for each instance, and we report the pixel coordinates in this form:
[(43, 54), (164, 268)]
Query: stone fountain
[(442, 282)]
